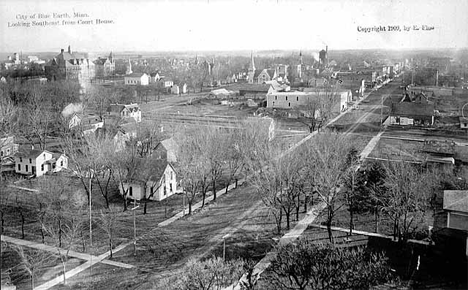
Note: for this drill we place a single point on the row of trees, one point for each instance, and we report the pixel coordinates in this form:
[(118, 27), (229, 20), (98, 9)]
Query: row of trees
[(315, 170), (302, 265), (209, 155)]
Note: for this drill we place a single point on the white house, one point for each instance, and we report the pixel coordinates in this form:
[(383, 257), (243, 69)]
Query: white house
[(167, 150), (125, 111), (157, 183), (135, 79), (175, 90), (154, 77), (295, 99), (166, 83), (39, 162)]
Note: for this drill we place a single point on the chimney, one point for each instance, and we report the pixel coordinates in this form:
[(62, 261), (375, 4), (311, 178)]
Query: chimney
[(69, 49), (61, 51)]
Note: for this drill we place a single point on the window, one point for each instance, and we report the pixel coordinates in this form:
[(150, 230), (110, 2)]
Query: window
[(130, 191), (151, 189), (27, 168), (286, 98), (170, 187), (297, 99), (61, 162), (289, 104), (21, 159), (30, 160), (276, 97), (42, 167), (19, 167), (44, 155), (164, 190)]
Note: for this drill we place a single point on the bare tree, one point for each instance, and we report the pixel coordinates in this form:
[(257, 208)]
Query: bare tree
[(406, 198), (327, 167), (32, 260), (211, 274), (108, 220)]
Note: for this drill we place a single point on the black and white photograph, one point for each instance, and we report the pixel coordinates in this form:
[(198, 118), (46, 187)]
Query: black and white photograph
[(233, 144)]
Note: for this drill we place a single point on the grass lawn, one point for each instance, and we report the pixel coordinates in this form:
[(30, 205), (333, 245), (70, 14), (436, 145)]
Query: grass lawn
[(397, 149)]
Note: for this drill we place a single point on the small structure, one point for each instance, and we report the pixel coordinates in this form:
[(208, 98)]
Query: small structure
[(8, 147), (135, 79), (463, 123), (125, 111), (175, 90), (154, 77), (165, 83), (157, 182), (456, 207)]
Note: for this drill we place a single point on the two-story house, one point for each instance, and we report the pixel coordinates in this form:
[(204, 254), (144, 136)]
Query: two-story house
[(39, 162), (125, 111)]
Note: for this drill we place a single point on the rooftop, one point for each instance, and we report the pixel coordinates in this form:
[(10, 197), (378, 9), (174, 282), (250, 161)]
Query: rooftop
[(456, 200)]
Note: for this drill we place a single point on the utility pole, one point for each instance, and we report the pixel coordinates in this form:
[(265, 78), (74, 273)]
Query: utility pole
[(381, 111), (135, 206), (90, 209)]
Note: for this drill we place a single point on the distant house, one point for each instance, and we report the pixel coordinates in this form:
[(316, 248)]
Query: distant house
[(119, 136), (167, 150), (415, 114), (135, 79), (166, 83), (440, 154), (157, 182), (154, 77), (175, 90), (183, 88), (84, 121), (39, 162), (294, 99), (125, 111), (8, 146), (266, 75), (456, 207), (463, 123)]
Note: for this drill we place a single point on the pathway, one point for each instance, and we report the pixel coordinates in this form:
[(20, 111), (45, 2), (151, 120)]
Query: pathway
[(314, 212), (93, 260)]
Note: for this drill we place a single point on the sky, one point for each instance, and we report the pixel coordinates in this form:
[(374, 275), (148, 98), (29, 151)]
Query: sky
[(227, 25)]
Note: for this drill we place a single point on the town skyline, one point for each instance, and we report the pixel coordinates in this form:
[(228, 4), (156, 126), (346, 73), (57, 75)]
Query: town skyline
[(231, 26)]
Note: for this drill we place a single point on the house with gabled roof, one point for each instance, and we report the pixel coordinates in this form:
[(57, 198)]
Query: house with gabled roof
[(411, 113), (266, 75), (167, 150), (38, 162), (125, 111), (153, 179), (135, 79)]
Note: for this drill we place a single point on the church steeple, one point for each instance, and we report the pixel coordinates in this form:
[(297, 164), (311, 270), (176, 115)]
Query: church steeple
[(252, 64), (129, 68), (251, 71)]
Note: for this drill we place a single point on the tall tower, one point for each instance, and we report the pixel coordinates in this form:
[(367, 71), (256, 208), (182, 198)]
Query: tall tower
[(129, 68), (299, 67), (251, 71)]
